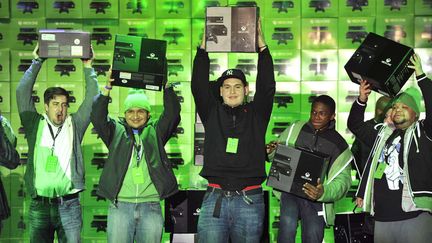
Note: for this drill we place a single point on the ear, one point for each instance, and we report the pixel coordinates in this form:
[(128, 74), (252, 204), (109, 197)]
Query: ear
[(246, 89), (333, 116), (220, 90), (46, 107)]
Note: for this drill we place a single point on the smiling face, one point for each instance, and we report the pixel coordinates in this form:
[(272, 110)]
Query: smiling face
[(233, 92), (320, 115), (402, 115), (56, 109), (136, 117)]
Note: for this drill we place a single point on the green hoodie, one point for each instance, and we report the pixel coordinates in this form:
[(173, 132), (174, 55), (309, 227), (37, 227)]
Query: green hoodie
[(338, 179)]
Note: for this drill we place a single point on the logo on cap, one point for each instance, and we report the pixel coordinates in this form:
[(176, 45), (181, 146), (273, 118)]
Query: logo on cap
[(229, 72)]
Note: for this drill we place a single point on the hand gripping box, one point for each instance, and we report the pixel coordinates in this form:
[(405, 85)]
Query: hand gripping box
[(231, 29), (139, 62), (64, 44), (382, 62), (293, 167)]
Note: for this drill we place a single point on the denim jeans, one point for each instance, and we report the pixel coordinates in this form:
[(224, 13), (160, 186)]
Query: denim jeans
[(46, 218), (292, 209), (238, 220), (141, 222)]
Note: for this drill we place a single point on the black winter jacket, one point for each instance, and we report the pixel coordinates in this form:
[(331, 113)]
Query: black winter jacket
[(118, 137), (247, 122)]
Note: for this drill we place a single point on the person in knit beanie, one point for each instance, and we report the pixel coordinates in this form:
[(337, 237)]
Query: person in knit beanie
[(396, 184), (136, 99), (137, 174), (136, 108), (410, 99)]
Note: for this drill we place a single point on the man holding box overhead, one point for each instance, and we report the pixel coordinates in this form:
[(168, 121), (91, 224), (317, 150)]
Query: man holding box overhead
[(234, 154), (396, 185), (55, 170), (137, 173)]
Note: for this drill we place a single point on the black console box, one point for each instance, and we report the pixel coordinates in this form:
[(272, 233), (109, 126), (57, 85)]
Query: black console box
[(293, 167), (381, 62), (139, 62), (64, 44), (231, 29)]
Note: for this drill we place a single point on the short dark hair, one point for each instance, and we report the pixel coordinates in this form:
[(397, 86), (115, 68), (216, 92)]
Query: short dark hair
[(327, 101), (53, 91)]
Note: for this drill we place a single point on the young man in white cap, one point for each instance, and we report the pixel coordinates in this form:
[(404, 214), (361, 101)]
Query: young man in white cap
[(137, 173), (396, 185), (234, 148)]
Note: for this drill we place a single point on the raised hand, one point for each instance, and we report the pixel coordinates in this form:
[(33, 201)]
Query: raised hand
[(365, 90), (416, 64)]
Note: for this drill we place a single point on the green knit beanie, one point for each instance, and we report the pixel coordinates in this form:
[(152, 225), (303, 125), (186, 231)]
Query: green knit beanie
[(136, 99), (410, 97)]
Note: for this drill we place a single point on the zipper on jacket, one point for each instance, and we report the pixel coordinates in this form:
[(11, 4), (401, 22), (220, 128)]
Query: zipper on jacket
[(315, 136), (234, 120), (122, 178)]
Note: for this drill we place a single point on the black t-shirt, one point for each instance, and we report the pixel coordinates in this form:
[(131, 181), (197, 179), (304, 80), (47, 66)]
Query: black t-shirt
[(388, 202)]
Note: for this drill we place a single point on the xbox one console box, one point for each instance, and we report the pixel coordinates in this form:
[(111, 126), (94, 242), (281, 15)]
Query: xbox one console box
[(64, 44), (231, 29), (382, 63), (139, 62), (293, 167)]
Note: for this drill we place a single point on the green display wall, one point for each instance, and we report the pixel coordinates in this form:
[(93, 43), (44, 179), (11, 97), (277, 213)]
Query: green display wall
[(310, 42)]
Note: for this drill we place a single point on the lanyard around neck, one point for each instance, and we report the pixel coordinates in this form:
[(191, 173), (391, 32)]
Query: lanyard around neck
[(137, 143), (52, 134)]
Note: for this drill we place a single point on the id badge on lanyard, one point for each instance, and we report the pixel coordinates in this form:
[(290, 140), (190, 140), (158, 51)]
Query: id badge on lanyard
[(232, 145), (52, 161)]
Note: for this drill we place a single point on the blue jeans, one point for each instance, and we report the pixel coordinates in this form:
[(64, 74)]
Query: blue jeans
[(141, 222), (240, 219), (46, 218), (292, 209)]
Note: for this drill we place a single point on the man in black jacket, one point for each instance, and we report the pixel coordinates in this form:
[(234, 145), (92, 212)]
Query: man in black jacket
[(234, 148), (137, 173), (359, 149), (9, 158), (396, 185)]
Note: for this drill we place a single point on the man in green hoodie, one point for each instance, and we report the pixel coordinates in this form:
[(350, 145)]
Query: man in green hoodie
[(318, 134)]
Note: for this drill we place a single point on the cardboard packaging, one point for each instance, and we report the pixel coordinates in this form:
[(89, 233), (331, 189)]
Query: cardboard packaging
[(139, 62), (293, 167), (64, 44), (231, 29), (382, 63)]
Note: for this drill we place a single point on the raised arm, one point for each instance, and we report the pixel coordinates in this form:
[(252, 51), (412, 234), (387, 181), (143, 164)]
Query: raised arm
[(363, 131), (104, 125), (201, 90), (425, 85), (170, 117), (25, 86), (265, 82), (82, 116)]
